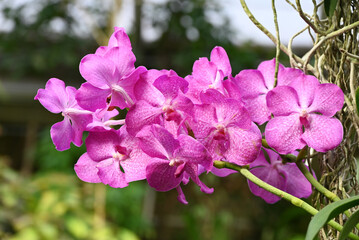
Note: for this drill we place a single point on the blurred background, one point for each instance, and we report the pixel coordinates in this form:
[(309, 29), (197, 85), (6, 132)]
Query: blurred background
[(40, 194)]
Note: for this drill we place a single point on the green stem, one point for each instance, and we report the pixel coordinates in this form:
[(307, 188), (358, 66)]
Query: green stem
[(332, 196), (290, 198), (277, 44), (315, 183)]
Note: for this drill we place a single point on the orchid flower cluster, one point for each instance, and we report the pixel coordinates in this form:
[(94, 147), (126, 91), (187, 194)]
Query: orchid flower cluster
[(176, 127)]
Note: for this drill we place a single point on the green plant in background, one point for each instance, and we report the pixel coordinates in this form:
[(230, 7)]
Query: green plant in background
[(57, 206)]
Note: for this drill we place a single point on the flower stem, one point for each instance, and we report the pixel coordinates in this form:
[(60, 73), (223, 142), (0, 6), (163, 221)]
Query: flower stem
[(332, 196), (315, 183), (290, 198), (277, 44)]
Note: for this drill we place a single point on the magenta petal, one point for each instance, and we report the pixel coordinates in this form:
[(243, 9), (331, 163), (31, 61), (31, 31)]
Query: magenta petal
[(192, 170), (284, 133), (306, 87), (135, 164), (257, 109), (62, 134), (267, 68), (86, 170), (119, 38), (324, 133), (101, 50), (169, 86), (54, 97), (161, 176), (79, 125), (140, 115), (110, 173), (204, 120), (157, 142), (183, 104), (232, 90), (204, 69), (193, 152), (328, 99), (297, 184), (98, 71), (270, 176), (123, 58), (283, 101), (250, 83), (220, 58), (222, 172), (262, 161), (144, 89), (117, 100), (244, 145), (287, 75), (102, 145), (211, 95), (181, 197), (92, 98), (128, 82)]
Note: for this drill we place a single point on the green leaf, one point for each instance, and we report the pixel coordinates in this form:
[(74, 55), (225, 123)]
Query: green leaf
[(328, 213), (329, 7), (357, 99), (349, 225)]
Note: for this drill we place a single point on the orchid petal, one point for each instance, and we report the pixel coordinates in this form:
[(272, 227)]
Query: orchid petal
[(287, 75), (92, 98), (267, 68), (157, 142), (98, 71), (306, 87), (244, 145), (220, 58), (328, 99), (142, 114), (119, 39), (324, 133), (257, 109), (161, 176), (271, 177), (144, 89), (62, 134), (297, 184), (284, 133), (193, 151), (102, 145), (283, 101), (181, 197), (169, 86), (110, 173), (86, 170), (54, 97), (250, 83), (192, 171), (123, 58)]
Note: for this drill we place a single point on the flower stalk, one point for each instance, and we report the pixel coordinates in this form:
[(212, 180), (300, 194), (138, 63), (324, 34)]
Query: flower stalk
[(286, 196)]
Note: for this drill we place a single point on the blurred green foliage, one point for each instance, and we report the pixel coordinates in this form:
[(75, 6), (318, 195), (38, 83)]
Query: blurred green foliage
[(54, 206), (33, 48)]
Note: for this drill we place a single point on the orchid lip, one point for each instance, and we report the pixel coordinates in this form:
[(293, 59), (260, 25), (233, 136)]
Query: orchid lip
[(118, 156), (175, 162)]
